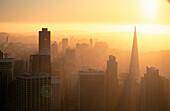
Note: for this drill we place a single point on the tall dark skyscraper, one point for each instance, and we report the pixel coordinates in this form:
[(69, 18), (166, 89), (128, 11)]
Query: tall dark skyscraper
[(3, 91), (33, 92), (40, 63), (154, 91), (112, 85), (7, 67), (44, 41), (131, 84), (56, 93), (134, 63), (91, 91)]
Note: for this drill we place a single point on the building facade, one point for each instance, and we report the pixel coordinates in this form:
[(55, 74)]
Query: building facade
[(40, 63), (56, 93), (154, 91), (91, 92), (44, 41), (33, 92), (112, 85)]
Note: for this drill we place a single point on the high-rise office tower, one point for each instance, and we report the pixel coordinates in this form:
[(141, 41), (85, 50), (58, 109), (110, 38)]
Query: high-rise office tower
[(33, 92), (44, 41), (69, 68), (112, 85), (64, 44), (40, 63), (91, 92), (20, 67), (131, 95), (56, 93), (54, 51), (6, 67), (3, 91), (70, 56), (131, 84), (6, 76), (154, 91), (134, 63)]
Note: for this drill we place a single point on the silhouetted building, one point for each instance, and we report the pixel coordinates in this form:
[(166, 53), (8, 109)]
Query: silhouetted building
[(154, 91), (56, 93), (74, 87), (33, 92), (56, 67), (12, 96), (64, 44), (44, 41), (69, 68), (101, 47), (91, 91), (131, 95), (131, 92), (82, 54), (112, 85), (6, 67), (54, 51), (20, 67), (134, 63), (70, 56), (40, 63), (3, 92)]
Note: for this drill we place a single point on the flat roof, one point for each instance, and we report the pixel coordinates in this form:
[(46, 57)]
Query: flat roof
[(7, 60), (34, 75)]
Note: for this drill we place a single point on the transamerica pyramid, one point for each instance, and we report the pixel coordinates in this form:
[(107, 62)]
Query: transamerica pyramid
[(134, 63)]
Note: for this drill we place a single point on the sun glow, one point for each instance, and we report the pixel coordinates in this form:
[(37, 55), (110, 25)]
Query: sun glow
[(149, 7)]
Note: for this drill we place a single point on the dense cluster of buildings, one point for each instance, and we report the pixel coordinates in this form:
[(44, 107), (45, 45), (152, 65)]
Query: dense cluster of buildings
[(53, 81)]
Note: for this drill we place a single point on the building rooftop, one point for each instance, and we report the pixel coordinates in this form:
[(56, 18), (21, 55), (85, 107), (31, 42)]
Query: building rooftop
[(44, 29), (91, 72), (34, 75), (7, 60), (152, 68)]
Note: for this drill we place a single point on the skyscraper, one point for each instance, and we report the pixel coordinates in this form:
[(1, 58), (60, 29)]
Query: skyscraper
[(64, 44), (69, 67), (54, 51), (7, 67), (40, 63), (44, 41), (154, 91), (134, 63), (112, 85), (33, 92), (131, 85), (91, 91), (3, 91), (56, 93)]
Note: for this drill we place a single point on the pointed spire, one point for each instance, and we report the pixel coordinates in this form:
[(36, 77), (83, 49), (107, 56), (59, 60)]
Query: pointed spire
[(134, 63)]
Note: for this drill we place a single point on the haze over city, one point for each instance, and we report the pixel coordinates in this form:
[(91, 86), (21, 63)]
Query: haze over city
[(88, 55)]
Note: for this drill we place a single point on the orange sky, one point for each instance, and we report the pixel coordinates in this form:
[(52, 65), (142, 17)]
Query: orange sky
[(90, 15)]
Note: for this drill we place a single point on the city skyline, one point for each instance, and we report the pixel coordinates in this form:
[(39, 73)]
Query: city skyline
[(84, 55)]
